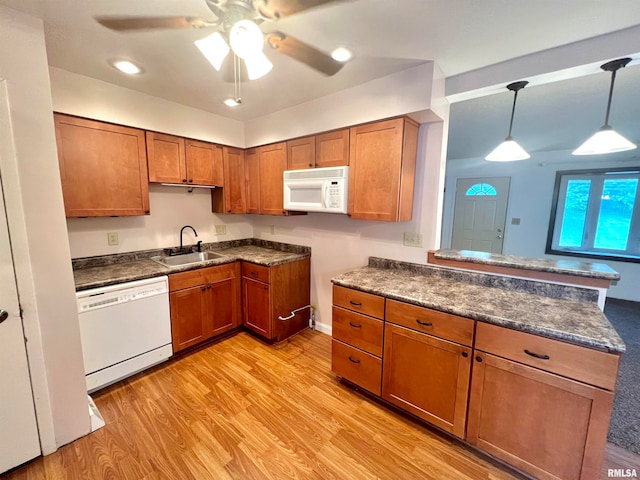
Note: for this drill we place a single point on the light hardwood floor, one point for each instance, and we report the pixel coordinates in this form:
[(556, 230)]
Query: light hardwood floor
[(240, 409)]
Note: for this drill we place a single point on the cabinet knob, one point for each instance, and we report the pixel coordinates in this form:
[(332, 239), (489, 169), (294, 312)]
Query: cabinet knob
[(229, 211), (203, 288), (191, 180), (266, 288), (184, 180), (479, 359), (465, 354), (147, 212), (311, 165), (208, 287)]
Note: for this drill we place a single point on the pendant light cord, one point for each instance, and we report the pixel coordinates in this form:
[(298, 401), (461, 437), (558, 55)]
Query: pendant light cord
[(606, 117)]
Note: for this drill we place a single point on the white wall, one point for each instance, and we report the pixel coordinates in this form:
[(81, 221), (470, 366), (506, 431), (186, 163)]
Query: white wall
[(35, 213), (338, 243), (171, 207), (531, 191)]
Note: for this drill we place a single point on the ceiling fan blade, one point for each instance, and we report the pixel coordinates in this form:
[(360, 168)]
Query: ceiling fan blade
[(298, 50), (123, 24), (274, 9)]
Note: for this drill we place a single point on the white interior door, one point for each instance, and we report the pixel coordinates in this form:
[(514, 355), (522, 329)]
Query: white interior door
[(479, 214), (19, 441)]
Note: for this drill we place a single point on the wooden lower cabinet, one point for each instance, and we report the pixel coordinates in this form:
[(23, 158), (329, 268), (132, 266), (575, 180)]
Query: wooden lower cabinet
[(427, 376), (204, 303), (357, 366), (544, 424), (272, 292)]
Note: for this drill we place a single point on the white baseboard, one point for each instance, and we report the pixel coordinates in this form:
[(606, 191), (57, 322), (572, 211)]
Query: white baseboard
[(324, 328)]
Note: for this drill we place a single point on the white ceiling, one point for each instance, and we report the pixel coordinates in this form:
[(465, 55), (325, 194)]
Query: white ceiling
[(387, 36)]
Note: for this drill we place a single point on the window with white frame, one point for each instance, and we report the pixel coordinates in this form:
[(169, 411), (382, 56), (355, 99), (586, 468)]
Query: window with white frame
[(596, 213)]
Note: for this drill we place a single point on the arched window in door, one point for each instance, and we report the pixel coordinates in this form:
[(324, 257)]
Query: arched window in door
[(481, 189)]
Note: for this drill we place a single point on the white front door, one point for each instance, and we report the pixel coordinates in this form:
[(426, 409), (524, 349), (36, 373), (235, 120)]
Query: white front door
[(479, 214), (19, 441)]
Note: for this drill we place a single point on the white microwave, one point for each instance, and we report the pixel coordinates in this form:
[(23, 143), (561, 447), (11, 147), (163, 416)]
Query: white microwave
[(316, 190)]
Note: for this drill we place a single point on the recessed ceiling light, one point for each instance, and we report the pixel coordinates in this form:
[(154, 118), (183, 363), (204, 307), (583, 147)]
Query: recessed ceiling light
[(342, 54), (125, 66), (232, 102)]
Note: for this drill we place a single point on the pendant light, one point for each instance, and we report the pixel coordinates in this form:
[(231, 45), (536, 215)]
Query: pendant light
[(510, 150), (607, 140)]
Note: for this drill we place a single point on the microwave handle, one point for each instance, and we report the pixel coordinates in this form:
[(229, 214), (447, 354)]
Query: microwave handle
[(324, 194)]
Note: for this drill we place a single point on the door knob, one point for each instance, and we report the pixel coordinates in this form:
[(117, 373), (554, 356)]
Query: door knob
[(498, 237), (3, 315)]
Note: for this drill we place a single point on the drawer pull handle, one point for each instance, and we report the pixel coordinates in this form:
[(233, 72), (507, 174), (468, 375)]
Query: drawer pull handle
[(355, 325), (536, 355), (353, 360), (355, 304), (424, 324), (254, 273)]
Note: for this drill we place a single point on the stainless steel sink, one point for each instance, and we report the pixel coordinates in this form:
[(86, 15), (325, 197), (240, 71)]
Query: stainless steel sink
[(186, 258)]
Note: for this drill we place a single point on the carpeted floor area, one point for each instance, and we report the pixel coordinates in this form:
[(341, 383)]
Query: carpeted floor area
[(624, 430)]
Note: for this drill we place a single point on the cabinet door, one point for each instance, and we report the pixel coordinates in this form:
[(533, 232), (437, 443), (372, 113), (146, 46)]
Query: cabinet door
[(257, 306), (204, 163), (223, 314), (103, 168), (301, 153), (189, 324), (382, 170), (165, 155), (231, 198), (273, 163), (427, 376), (252, 173), (544, 424), (332, 149)]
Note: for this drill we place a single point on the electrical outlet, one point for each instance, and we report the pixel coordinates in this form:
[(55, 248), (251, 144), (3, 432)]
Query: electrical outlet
[(221, 229), (112, 239), (515, 221), (412, 239)]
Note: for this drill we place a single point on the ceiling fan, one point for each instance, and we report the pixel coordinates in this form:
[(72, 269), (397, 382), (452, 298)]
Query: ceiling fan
[(237, 23)]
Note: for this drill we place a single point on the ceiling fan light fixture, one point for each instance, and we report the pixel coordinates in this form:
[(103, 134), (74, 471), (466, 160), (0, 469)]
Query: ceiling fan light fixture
[(508, 151), (341, 54), (126, 66), (258, 65), (214, 48), (246, 39), (607, 140)]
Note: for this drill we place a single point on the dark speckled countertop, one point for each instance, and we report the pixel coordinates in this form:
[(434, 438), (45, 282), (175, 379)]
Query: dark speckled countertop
[(564, 313), (578, 268), (100, 271)]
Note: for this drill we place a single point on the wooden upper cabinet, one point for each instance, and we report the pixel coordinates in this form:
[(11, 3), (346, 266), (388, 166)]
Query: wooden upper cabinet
[(301, 153), (165, 154), (232, 197), (382, 170), (252, 180), (273, 163), (332, 149), (329, 149), (176, 160), (103, 168), (204, 163)]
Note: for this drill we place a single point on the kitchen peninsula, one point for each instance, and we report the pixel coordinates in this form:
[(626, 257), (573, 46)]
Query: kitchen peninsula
[(521, 369)]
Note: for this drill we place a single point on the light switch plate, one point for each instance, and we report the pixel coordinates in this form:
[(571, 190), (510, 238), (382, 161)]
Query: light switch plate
[(221, 229), (412, 239), (112, 239)]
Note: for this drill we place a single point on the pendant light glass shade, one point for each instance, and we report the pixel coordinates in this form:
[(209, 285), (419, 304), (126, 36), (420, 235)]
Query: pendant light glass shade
[(510, 150), (607, 140)]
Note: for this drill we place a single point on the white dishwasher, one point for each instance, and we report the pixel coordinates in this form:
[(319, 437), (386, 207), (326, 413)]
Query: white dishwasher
[(125, 328)]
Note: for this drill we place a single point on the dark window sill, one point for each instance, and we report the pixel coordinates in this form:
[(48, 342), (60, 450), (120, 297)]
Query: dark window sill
[(598, 255)]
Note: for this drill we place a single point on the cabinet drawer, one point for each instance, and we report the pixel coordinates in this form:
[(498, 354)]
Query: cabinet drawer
[(357, 366), (200, 276), (257, 272), (358, 330), (580, 363), (358, 301), (439, 324)]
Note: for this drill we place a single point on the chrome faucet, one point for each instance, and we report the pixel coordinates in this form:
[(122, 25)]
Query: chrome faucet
[(182, 231)]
